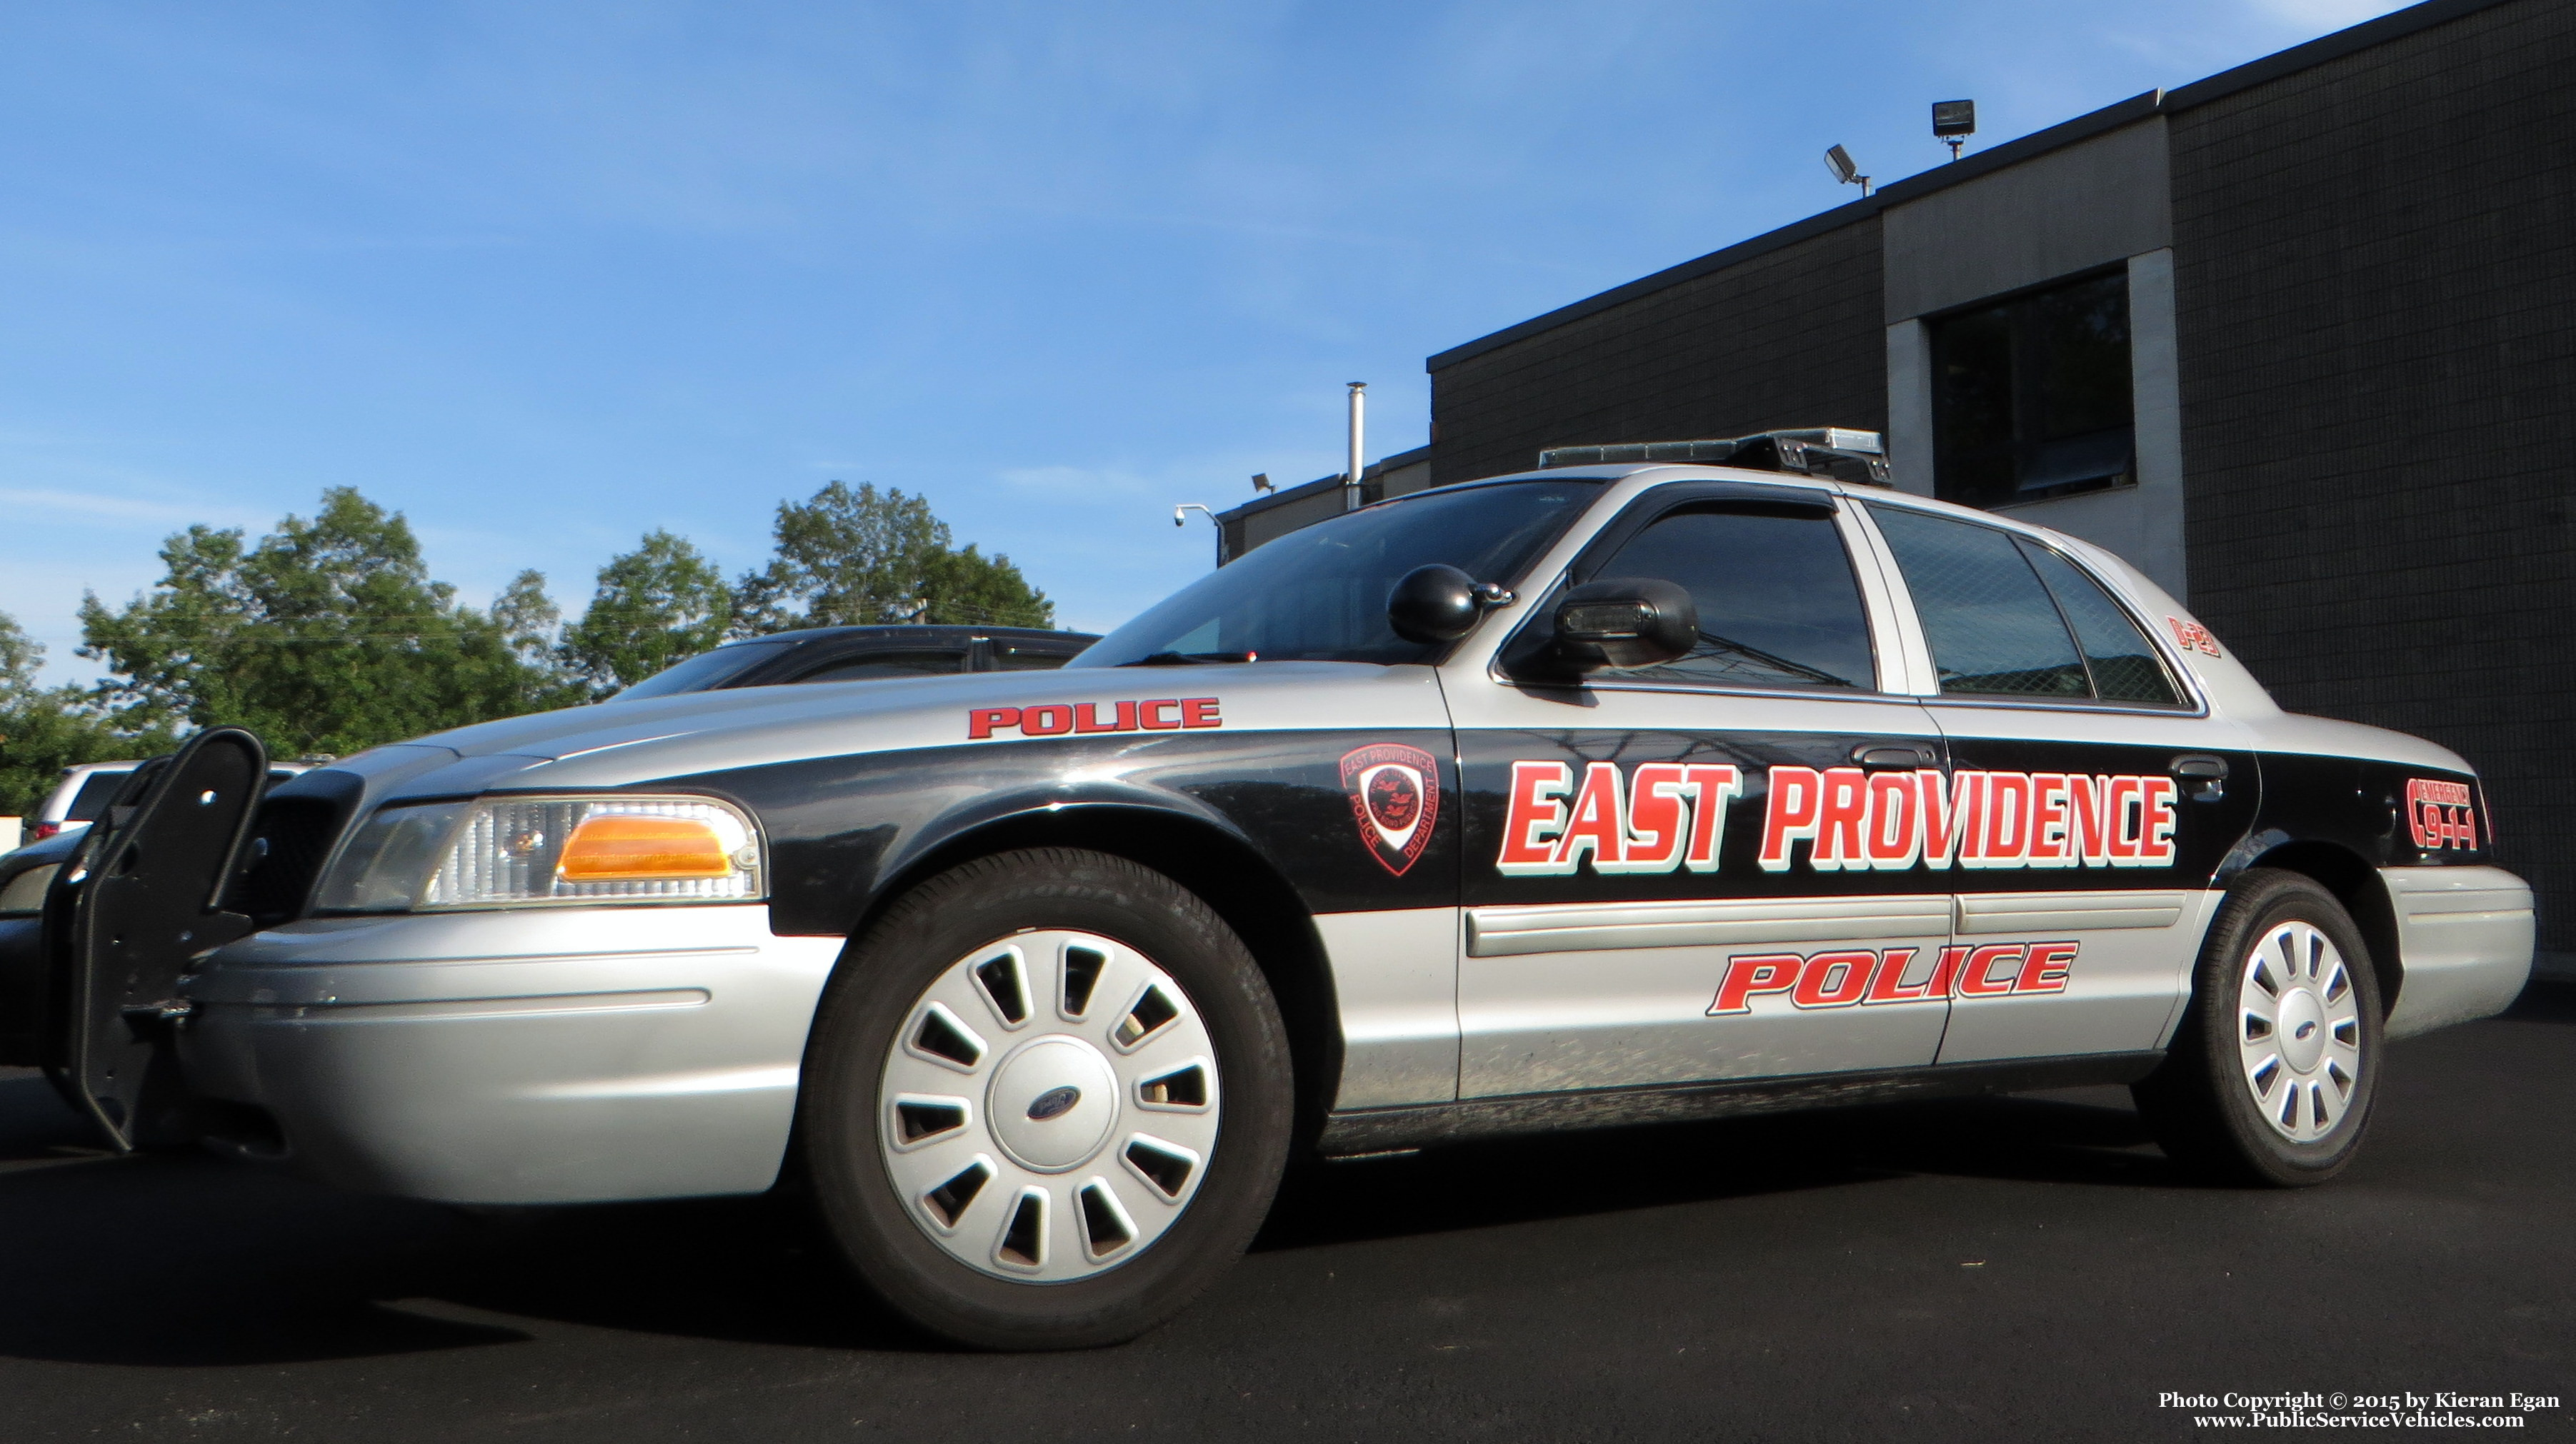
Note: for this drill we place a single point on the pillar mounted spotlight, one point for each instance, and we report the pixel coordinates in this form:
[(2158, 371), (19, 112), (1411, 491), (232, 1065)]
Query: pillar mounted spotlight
[(1845, 169)]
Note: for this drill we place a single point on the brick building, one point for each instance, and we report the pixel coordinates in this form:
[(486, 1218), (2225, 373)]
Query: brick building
[(2298, 339)]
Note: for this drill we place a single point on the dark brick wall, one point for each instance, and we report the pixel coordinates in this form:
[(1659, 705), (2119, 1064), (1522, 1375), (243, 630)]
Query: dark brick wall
[(1789, 338), (2375, 263)]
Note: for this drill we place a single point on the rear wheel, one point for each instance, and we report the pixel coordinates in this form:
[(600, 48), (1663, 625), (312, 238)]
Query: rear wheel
[(2273, 1070), (1048, 1101)]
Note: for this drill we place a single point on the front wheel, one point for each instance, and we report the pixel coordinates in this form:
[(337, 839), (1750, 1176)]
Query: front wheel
[(1048, 1101), (2274, 1068)]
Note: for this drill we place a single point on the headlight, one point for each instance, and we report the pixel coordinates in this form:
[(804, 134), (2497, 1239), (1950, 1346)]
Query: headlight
[(522, 851)]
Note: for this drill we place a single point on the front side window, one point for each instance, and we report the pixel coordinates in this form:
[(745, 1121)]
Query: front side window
[(2031, 398), (1777, 603), (2004, 616), (1319, 594)]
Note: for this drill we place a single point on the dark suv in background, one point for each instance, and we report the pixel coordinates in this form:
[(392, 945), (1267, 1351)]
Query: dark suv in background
[(856, 654)]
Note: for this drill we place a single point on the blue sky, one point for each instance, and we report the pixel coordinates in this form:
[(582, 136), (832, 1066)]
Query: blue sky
[(545, 277)]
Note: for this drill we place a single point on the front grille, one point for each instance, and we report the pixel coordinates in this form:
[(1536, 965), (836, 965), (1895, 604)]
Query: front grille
[(287, 845)]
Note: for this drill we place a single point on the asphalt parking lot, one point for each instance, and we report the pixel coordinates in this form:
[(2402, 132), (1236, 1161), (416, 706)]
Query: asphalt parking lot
[(2006, 1268)]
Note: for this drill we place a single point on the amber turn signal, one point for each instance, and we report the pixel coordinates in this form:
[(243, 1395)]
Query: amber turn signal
[(624, 847)]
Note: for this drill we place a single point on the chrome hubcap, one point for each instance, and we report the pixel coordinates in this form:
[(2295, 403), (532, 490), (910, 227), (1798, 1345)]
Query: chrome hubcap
[(1049, 1107), (2299, 1031)]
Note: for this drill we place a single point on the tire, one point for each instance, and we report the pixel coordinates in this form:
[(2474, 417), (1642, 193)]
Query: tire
[(2276, 1064), (1014, 1094)]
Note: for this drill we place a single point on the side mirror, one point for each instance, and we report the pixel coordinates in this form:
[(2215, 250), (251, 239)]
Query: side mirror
[(1439, 603), (1625, 622)]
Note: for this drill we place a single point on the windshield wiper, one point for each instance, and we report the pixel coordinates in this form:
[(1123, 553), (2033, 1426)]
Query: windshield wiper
[(1189, 659)]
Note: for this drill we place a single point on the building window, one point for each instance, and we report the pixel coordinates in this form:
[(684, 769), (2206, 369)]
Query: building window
[(2030, 398)]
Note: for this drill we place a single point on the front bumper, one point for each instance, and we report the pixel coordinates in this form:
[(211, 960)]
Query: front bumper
[(532, 1056)]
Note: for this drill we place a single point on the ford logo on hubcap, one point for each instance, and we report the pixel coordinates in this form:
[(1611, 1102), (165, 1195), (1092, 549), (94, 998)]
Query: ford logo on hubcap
[(1054, 1103)]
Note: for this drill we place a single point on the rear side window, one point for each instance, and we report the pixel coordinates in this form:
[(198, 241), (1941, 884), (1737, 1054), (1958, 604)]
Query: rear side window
[(1997, 629), (96, 792), (1777, 603)]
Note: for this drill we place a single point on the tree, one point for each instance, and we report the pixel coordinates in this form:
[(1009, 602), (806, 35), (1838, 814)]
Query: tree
[(661, 603), (327, 637), (866, 556), (46, 729)]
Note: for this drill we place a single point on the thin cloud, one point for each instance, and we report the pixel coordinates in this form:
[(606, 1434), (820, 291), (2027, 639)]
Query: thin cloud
[(2328, 14), (98, 504)]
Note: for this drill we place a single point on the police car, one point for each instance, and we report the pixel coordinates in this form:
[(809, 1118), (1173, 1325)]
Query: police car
[(1632, 788)]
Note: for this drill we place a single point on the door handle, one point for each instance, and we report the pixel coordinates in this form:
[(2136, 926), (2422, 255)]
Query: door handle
[(1884, 755), (2204, 776)]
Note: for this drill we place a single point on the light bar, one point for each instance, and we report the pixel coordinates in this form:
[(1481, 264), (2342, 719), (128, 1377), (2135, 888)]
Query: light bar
[(1840, 452)]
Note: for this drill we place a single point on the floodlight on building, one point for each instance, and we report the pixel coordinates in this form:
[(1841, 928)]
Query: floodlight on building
[(1261, 482), (1953, 121), (1839, 161)]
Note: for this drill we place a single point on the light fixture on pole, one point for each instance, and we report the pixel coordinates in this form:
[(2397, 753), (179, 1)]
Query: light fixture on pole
[(1839, 161), (1180, 513), (1953, 121)]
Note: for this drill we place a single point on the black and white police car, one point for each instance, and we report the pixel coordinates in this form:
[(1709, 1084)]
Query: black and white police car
[(1615, 791)]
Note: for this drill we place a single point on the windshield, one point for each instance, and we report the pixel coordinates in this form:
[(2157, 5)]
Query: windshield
[(703, 672), (1320, 594)]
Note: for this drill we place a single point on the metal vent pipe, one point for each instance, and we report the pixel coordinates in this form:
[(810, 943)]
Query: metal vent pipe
[(1351, 477)]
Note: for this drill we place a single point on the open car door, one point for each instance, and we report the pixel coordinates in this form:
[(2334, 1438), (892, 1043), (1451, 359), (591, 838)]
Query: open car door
[(137, 907)]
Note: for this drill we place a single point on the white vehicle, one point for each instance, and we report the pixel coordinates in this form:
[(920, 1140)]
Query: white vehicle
[(85, 791)]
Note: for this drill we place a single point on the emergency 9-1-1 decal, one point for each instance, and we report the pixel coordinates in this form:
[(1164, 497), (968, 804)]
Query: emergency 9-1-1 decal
[(1663, 816), (2440, 814)]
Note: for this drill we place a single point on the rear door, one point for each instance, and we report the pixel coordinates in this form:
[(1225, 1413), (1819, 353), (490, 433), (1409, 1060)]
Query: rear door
[(1670, 872), (2097, 798)]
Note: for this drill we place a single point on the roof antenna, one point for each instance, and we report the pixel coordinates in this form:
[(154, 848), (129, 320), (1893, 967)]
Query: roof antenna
[(1953, 121), (1839, 161)]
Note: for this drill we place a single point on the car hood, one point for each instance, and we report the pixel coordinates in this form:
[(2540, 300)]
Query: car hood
[(621, 744)]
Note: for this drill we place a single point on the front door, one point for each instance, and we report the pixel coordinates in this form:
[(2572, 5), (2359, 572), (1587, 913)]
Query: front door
[(1702, 869)]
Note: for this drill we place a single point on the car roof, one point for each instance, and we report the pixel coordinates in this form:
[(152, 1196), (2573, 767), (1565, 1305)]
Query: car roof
[(1610, 474)]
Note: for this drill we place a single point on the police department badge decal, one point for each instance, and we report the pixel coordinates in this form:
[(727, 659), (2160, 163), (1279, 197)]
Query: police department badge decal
[(1395, 798)]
